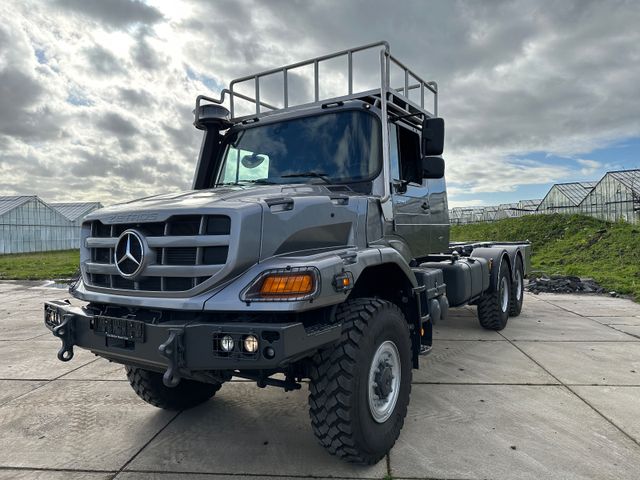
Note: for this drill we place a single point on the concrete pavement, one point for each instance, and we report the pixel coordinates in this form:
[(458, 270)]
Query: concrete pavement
[(554, 395)]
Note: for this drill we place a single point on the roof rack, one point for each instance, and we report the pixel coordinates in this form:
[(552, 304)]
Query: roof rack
[(397, 100)]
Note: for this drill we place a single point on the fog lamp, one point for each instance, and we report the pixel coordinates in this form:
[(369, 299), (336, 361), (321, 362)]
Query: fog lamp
[(251, 343), (227, 343)]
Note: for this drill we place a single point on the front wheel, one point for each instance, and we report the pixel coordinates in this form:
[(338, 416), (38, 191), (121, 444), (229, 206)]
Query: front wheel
[(360, 387), (187, 394)]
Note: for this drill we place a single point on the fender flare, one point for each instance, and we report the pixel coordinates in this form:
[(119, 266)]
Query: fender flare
[(495, 255)]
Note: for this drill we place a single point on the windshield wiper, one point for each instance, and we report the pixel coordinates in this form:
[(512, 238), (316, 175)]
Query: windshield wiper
[(320, 175), (261, 181)]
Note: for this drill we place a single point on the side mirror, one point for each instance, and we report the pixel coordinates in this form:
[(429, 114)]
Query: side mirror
[(432, 167), (432, 136)]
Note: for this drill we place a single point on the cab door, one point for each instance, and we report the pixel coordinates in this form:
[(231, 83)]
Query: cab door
[(410, 197)]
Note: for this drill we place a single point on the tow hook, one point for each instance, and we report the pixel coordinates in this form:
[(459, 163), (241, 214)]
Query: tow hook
[(64, 332), (173, 351)]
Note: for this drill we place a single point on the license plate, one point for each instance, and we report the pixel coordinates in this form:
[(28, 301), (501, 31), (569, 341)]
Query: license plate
[(120, 328)]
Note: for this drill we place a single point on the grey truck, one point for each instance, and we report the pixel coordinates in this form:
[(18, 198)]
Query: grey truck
[(314, 244)]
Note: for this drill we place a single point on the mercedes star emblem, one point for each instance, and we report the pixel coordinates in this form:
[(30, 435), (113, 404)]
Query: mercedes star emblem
[(129, 254)]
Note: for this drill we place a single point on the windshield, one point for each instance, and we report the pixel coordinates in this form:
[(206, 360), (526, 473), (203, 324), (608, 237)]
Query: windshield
[(340, 147)]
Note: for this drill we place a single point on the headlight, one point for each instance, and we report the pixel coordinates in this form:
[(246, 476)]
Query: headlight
[(293, 284)]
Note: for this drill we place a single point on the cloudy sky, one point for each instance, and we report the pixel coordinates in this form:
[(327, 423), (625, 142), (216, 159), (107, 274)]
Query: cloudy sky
[(96, 95)]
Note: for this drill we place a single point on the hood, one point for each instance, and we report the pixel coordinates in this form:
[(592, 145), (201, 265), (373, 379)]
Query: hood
[(160, 207), (195, 241)]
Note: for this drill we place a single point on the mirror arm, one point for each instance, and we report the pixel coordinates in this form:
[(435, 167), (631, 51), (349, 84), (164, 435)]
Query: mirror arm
[(400, 186)]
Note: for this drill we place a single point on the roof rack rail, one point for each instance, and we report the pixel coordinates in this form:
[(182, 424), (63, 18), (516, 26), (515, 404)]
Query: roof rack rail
[(397, 100)]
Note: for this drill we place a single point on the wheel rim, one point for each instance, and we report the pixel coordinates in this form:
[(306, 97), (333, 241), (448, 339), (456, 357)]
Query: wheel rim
[(504, 293), (384, 381), (519, 284)]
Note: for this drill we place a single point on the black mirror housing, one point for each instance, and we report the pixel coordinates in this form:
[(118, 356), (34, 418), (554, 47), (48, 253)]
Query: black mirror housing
[(432, 136), (432, 167)]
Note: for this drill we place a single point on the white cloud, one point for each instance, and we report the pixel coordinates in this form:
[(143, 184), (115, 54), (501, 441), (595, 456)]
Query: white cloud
[(589, 167), (95, 100)]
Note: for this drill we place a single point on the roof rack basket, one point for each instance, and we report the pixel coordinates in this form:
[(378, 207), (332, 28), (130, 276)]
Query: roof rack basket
[(399, 100)]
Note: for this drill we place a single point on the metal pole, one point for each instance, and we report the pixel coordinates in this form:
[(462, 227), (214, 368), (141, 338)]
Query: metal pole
[(350, 59), (257, 95), (384, 77), (406, 83), (315, 81), (286, 88)]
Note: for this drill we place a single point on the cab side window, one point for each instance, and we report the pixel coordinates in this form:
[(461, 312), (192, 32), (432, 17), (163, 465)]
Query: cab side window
[(410, 161)]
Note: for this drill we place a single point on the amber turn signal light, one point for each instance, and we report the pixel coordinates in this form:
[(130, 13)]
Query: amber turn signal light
[(284, 285)]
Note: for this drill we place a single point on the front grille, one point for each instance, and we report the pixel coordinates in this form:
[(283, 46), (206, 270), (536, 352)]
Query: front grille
[(186, 250)]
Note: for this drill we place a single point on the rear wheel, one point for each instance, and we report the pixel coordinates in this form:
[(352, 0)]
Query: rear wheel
[(517, 290), (360, 387), (493, 307), (187, 394)]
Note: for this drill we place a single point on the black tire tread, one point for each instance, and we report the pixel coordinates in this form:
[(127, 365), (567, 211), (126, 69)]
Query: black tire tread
[(489, 311), (187, 394), (514, 308), (330, 401)]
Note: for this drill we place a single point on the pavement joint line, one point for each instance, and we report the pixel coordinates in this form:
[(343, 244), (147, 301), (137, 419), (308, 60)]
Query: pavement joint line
[(387, 458), (588, 317), (256, 475), (91, 379), (47, 382), (416, 382), (436, 478), (467, 340), (489, 383), (53, 469), (576, 341), (632, 334), (568, 388), (24, 339), (617, 385), (146, 444)]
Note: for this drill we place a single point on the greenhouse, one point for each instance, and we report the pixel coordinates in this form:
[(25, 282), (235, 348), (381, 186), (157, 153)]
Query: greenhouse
[(75, 212), (507, 210), (27, 224), (615, 197), (489, 214), (565, 197), (528, 207), (455, 215)]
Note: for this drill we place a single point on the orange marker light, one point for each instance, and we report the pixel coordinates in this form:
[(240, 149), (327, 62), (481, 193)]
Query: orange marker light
[(286, 285)]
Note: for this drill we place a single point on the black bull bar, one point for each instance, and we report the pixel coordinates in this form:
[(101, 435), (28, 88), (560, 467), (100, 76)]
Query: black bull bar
[(181, 347)]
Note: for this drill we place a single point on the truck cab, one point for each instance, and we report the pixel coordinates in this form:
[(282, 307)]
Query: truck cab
[(313, 244)]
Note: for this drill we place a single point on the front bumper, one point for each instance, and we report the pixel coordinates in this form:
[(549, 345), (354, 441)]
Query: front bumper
[(181, 348)]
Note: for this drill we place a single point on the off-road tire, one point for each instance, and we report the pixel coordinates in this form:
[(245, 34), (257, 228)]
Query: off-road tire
[(338, 392), (187, 394), (515, 305), (492, 311)]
